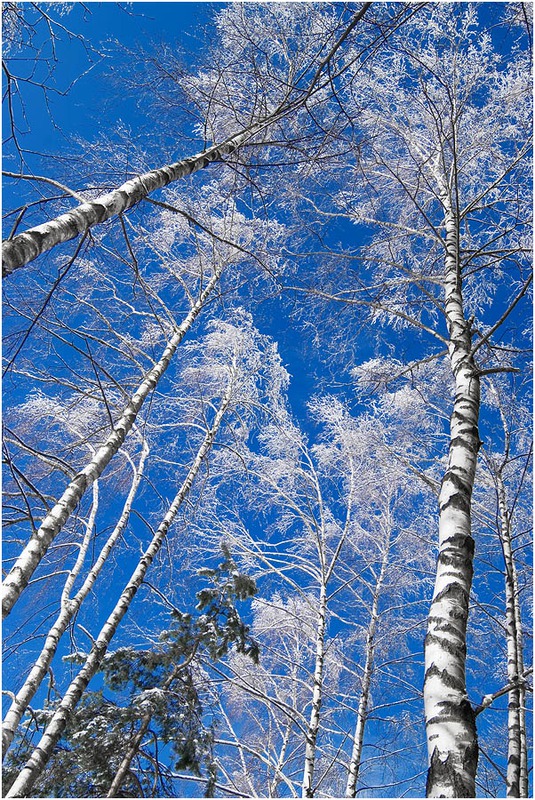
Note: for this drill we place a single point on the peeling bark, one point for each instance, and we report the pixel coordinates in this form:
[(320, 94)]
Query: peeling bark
[(26, 564)]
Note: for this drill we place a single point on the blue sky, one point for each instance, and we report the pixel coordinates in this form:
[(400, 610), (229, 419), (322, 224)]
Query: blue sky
[(85, 108), (91, 105), (94, 108)]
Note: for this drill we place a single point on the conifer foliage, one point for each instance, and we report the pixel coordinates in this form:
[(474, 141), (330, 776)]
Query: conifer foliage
[(280, 313), (160, 699)]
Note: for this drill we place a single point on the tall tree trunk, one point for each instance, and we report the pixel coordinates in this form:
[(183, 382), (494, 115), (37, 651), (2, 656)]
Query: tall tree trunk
[(358, 737), (274, 784), (524, 776), (517, 776), (28, 245), (54, 730), (317, 692), (29, 559), (450, 720), (69, 608)]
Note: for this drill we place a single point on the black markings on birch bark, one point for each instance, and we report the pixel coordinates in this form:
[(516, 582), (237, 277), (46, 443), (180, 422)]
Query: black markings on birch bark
[(26, 246), (55, 728), (317, 691), (450, 720), (69, 607), (517, 776), (31, 556)]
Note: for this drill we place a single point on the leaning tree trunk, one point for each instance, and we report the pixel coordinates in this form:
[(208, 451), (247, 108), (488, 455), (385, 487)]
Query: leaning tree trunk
[(69, 607), (135, 744), (28, 245), (450, 720), (32, 243), (517, 775), (55, 728), (317, 692), (29, 559), (277, 778)]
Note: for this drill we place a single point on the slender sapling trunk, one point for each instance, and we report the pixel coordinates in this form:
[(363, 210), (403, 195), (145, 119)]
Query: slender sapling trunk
[(35, 765), (29, 559)]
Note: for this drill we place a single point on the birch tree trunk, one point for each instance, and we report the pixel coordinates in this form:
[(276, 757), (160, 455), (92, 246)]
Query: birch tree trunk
[(314, 722), (28, 245), (517, 774), (358, 737), (54, 730), (450, 720), (20, 574), (69, 608), (278, 776)]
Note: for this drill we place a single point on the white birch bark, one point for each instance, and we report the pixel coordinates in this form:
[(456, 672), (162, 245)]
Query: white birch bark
[(524, 766), (69, 607), (358, 736), (54, 730), (517, 775), (20, 574), (450, 721), (278, 776), (314, 721), (515, 650), (26, 246)]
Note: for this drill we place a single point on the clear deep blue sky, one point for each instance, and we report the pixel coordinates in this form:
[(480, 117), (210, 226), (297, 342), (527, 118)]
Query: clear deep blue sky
[(88, 112), (80, 111)]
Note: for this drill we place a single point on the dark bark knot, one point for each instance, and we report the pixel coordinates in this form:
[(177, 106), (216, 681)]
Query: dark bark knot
[(456, 711), (457, 552), (454, 592), (461, 543), (447, 774), (457, 501), (469, 442), (456, 562), (463, 486)]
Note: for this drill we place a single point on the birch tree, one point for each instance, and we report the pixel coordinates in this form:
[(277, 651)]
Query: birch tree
[(121, 328), (511, 443), (227, 356), (445, 143), (24, 247), (70, 604), (366, 160), (339, 552), (163, 700)]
